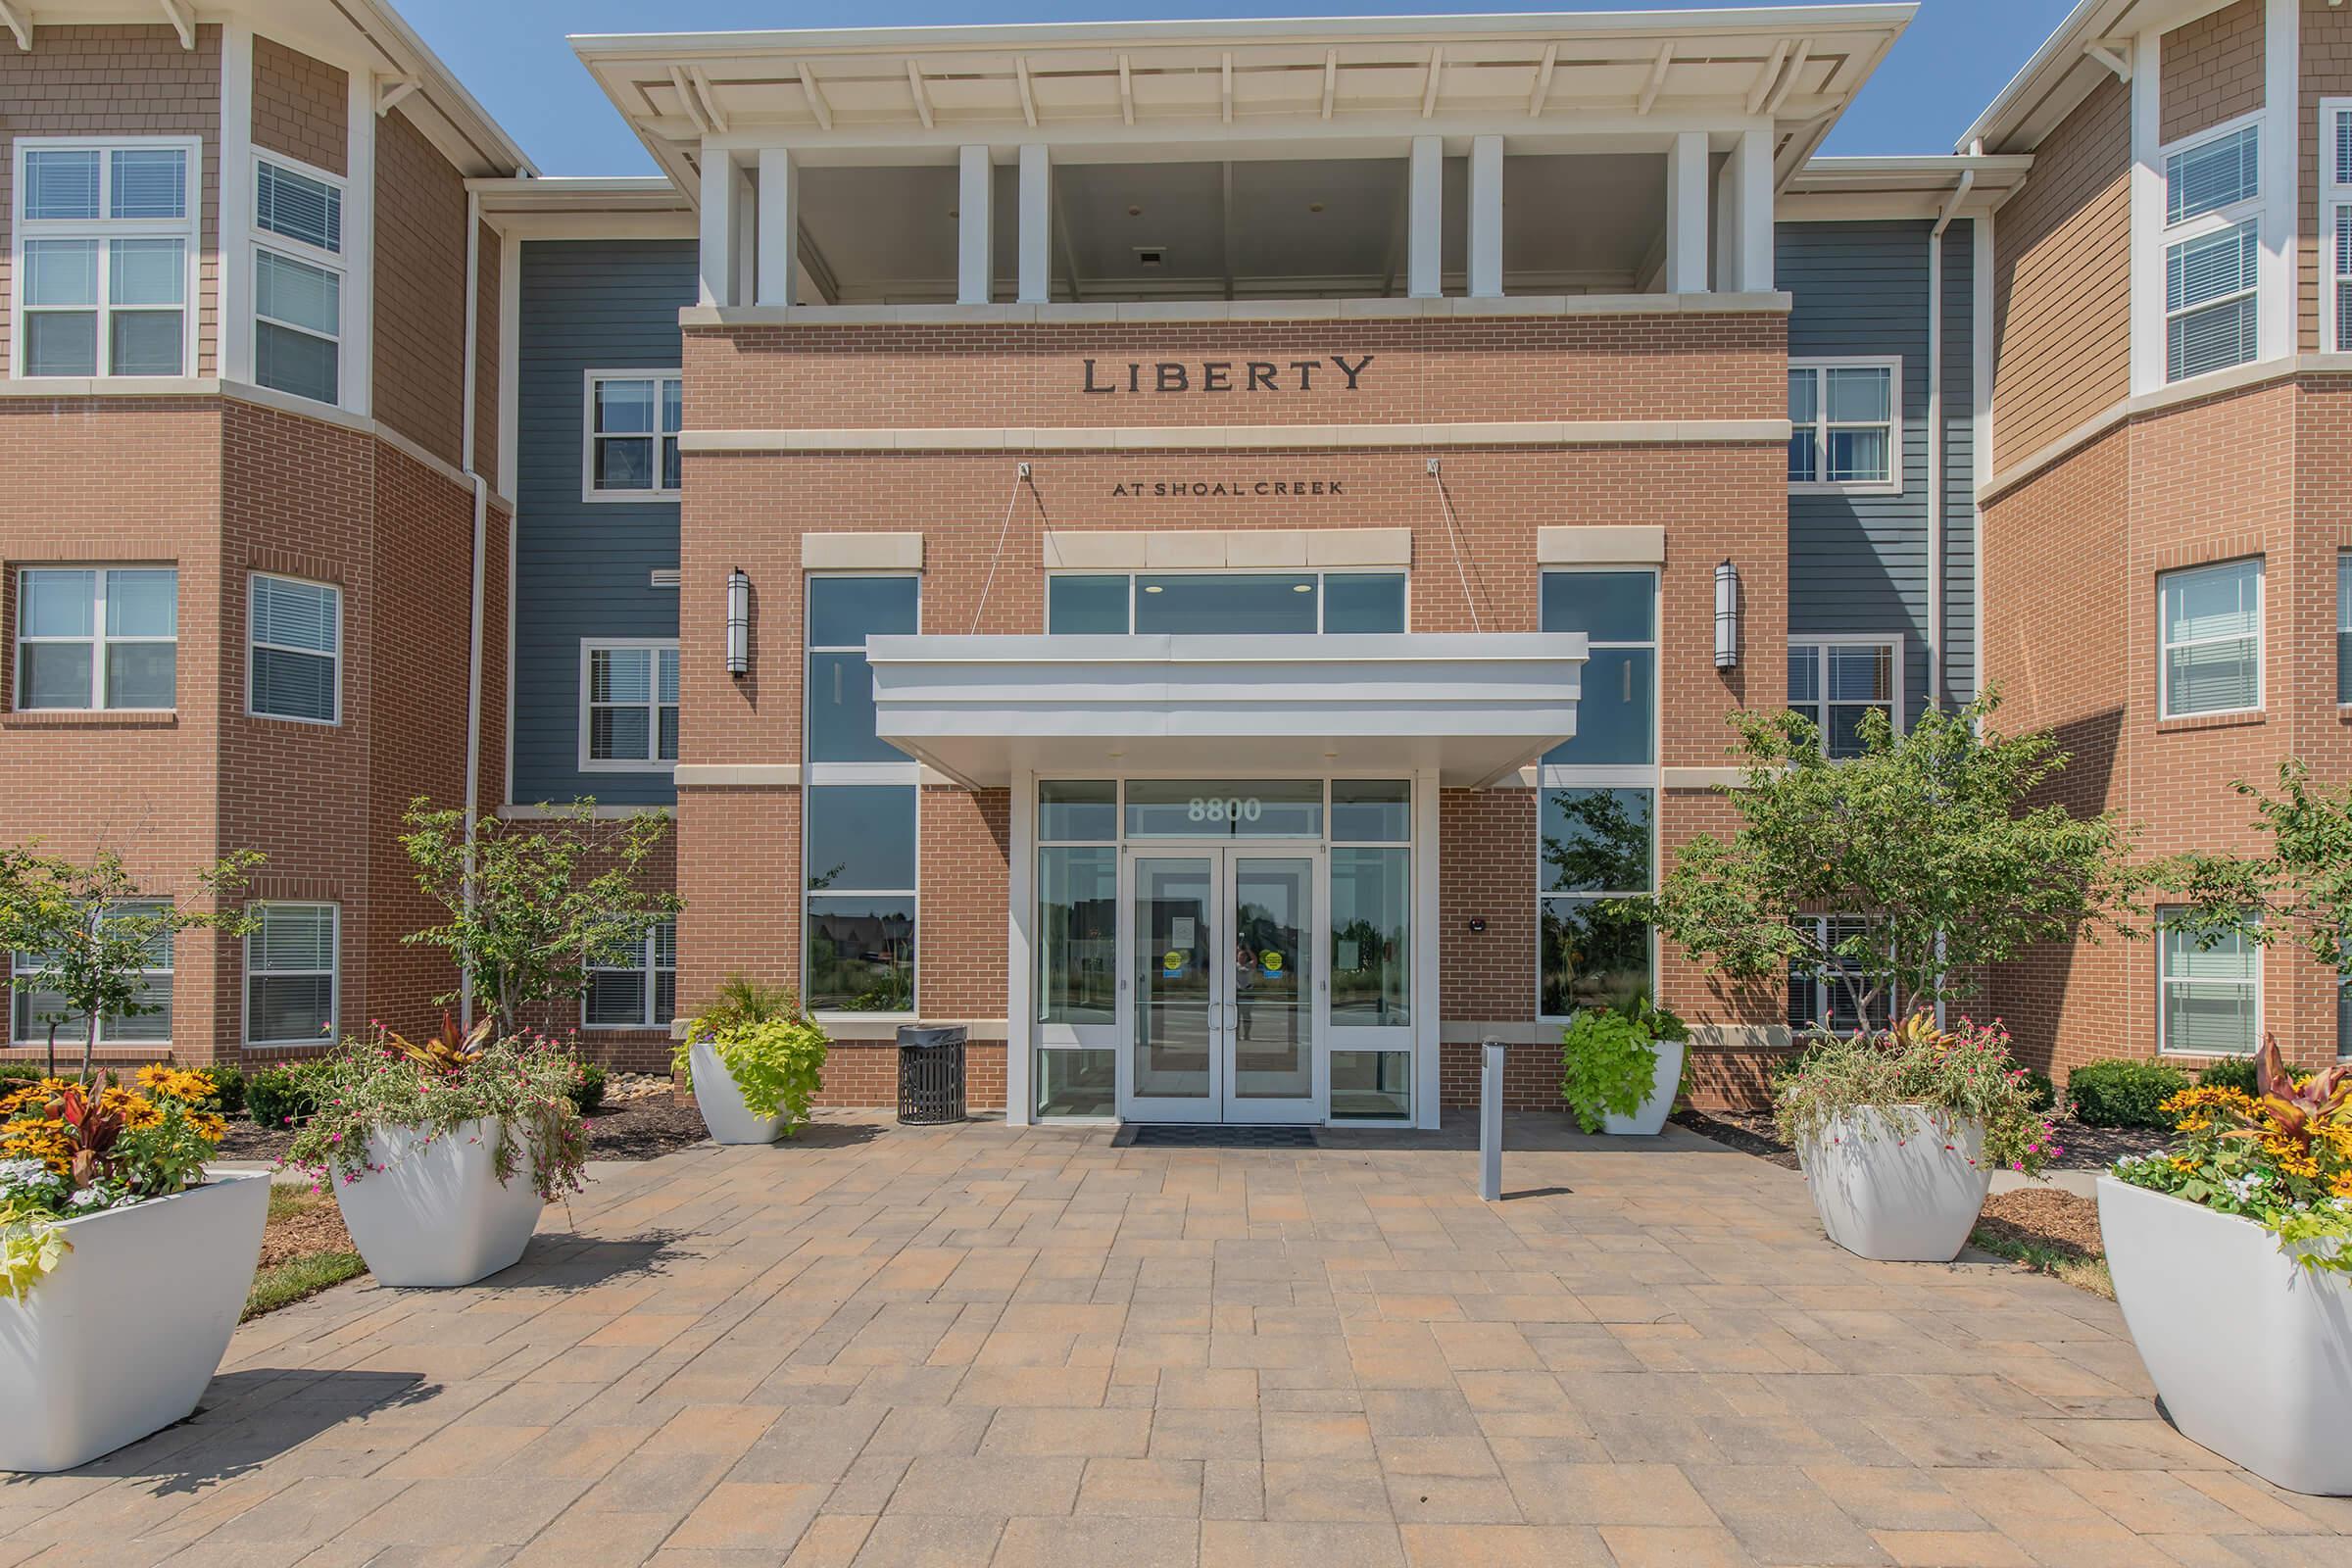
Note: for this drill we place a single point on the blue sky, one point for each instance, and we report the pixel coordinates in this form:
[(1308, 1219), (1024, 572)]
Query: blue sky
[(1954, 57)]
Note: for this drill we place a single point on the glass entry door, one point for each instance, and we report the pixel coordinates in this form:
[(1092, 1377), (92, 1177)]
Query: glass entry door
[(1221, 988)]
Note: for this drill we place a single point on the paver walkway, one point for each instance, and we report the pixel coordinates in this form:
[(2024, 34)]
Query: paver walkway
[(988, 1345)]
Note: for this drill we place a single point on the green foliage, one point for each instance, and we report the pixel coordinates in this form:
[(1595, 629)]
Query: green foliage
[(2124, 1094), (19, 1072), (2041, 1092), (280, 1095), (2300, 891), (31, 1245), (1965, 1073), (741, 1000), (529, 906), (778, 1062), (2231, 1072), (228, 1091), (523, 1085), (1930, 837), (1608, 1066), (588, 1089)]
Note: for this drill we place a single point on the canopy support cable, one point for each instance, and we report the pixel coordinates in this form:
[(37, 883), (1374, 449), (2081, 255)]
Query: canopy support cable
[(1453, 538), (1020, 476)]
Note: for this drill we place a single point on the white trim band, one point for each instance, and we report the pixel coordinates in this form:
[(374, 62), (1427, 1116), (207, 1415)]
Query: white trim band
[(1227, 437), (1621, 545), (861, 552), (1766, 303), (1209, 548)]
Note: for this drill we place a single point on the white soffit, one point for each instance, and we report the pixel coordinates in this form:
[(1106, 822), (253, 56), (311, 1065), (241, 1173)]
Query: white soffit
[(1475, 708)]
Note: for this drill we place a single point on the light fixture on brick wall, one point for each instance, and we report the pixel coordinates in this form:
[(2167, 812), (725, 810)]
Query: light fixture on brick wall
[(739, 625), (1726, 616)]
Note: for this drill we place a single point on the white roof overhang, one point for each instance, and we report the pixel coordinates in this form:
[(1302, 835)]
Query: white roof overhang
[(1474, 707)]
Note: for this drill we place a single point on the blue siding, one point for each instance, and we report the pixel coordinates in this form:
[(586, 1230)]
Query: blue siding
[(1858, 563), (582, 570)]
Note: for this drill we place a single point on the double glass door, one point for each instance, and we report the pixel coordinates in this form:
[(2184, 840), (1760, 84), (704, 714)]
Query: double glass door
[(1221, 986)]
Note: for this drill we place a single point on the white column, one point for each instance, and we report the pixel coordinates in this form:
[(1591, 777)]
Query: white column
[(1486, 218), (1020, 1027), (717, 226), (1429, 1003), (234, 307), (1037, 224), (974, 241), (359, 244), (2147, 214), (1750, 174), (779, 223), (1686, 213), (1425, 222), (2275, 303)]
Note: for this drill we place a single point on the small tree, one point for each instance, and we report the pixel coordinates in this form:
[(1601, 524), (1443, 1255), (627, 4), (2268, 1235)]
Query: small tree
[(1926, 841), (2300, 891), (94, 931), (531, 904)]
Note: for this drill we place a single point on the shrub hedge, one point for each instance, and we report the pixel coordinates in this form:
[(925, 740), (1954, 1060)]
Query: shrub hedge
[(2125, 1094)]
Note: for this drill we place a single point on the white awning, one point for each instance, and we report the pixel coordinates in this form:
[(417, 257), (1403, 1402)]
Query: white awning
[(1473, 707)]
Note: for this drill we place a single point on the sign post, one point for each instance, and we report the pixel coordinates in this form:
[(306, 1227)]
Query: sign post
[(1490, 1123)]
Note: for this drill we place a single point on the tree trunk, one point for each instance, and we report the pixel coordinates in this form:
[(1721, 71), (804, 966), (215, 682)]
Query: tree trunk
[(50, 1070), (89, 1050)]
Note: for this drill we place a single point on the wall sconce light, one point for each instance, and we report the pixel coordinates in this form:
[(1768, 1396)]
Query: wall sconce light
[(1726, 616), (739, 625)]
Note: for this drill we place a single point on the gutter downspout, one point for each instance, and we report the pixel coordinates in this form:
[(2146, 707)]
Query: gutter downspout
[(482, 532), (1935, 496)]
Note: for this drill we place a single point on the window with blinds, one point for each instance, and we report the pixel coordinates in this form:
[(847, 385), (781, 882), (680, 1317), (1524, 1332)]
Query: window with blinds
[(296, 632), (290, 975), (107, 236), (629, 706), (298, 281), (2335, 224), (2211, 1002), (637, 986), (2211, 626), (2212, 193), (36, 1006)]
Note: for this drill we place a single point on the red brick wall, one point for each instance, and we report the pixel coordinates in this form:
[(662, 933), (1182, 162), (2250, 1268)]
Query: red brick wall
[(301, 107), (421, 291)]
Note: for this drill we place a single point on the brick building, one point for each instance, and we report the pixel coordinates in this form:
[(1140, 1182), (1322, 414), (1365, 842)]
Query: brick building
[(1192, 549)]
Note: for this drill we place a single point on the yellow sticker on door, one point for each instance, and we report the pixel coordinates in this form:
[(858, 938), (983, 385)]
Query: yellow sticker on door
[(1172, 962), (1269, 962)]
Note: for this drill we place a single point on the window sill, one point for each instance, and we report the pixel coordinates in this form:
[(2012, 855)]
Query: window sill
[(660, 1029), (90, 718), (2197, 721)]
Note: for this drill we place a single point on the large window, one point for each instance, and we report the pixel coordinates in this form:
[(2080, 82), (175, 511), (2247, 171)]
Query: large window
[(631, 431), (105, 257), (36, 1007), (636, 987), (1233, 604), (629, 706), (1820, 998), (97, 637), (2212, 639), (2335, 224), (2212, 196), (2210, 999), (296, 634), (290, 975), (1845, 425), (859, 805), (1077, 947), (2343, 628), (1835, 680), (298, 280)]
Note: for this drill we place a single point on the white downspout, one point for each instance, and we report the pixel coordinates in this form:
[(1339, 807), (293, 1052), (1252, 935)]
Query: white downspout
[(481, 534), (1936, 500)]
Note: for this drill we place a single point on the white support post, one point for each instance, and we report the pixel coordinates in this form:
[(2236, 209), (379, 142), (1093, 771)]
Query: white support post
[(1425, 221), (1020, 1026), (717, 226), (1486, 218), (234, 215), (779, 216), (975, 248), (1686, 213), (1037, 224), (1750, 174), (2275, 303), (1428, 994), (2147, 214), (359, 245)]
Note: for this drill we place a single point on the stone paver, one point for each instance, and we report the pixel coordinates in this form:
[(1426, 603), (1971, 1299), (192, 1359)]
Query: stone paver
[(878, 1346)]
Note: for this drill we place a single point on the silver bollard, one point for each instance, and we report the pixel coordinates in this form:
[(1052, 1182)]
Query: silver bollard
[(1490, 1123)]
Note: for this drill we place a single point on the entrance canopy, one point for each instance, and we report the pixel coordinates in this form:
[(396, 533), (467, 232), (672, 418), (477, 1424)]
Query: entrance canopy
[(1474, 707)]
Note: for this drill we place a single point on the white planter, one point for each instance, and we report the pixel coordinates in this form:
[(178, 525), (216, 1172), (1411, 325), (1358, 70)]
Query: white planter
[(121, 1339), (721, 1103), (1898, 1183), (2250, 1351), (1646, 1122), (439, 1215)]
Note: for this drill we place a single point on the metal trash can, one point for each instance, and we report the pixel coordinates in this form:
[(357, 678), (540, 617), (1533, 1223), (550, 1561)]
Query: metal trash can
[(930, 1076)]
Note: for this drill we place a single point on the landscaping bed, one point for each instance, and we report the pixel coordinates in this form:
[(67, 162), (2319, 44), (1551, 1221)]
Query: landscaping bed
[(643, 1117), (305, 1249), (2087, 1147)]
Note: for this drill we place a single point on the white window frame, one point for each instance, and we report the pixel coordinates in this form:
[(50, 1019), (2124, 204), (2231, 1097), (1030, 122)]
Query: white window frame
[(590, 647), (334, 991), (2171, 236), (98, 639), (2335, 206), (2343, 628), (2262, 651), (337, 262), (254, 645), (1322, 575), (1824, 990), (19, 967), (187, 228), (660, 375), (1897, 647), (2164, 982), (649, 969), (1892, 484)]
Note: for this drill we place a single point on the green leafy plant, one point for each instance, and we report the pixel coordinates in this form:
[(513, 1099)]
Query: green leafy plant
[(523, 1085), (1609, 1059), (1964, 1074), (741, 1000), (31, 1245), (777, 1058), (588, 1089), (280, 1095), (2232, 1072), (2299, 891), (2124, 1094), (2040, 1092), (228, 1091)]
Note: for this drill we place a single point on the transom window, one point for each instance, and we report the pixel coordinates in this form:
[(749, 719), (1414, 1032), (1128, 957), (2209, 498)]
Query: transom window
[(36, 1007), (1238, 603), (637, 986), (2210, 1001), (296, 633), (298, 280), (2212, 639), (97, 637), (2335, 223), (2213, 195), (1845, 425), (629, 705), (632, 430), (290, 974), (1835, 680), (105, 256)]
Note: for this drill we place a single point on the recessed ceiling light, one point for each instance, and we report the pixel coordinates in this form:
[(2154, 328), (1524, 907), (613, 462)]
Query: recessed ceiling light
[(1135, 212), (1302, 587), (1315, 207), (952, 212), (1152, 588)]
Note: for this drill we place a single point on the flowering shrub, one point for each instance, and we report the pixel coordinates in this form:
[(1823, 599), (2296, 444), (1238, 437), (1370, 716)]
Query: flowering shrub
[(2283, 1159), (69, 1148), (1964, 1073), (523, 1082)]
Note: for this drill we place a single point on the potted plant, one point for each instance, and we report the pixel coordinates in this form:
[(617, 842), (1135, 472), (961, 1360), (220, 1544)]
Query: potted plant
[(1621, 1067), (123, 1264), (754, 1060), (2232, 1266), (1899, 1133), (443, 1153)]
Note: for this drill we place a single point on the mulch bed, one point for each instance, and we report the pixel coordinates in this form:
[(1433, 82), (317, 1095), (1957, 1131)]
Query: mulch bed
[(2045, 1217), (2086, 1148), (301, 1232), (642, 1128)]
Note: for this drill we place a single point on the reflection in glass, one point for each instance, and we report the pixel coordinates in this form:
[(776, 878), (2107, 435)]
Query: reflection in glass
[(1084, 811), (1225, 808), (1172, 949), (841, 711), (1371, 1084), (1615, 714), (1371, 601), (861, 952), (1077, 1083), (1077, 935), (1371, 811), (1596, 841), (843, 611), (1592, 956), (860, 836), (1371, 967), (1272, 1053), (1084, 606), (1226, 603), (1609, 607)]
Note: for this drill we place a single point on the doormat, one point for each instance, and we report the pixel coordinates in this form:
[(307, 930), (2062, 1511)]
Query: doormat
[(1177, 1135)]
